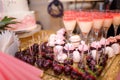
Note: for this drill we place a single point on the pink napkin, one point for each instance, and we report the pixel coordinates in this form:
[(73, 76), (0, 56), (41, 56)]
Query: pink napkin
[(118, 77), (14, 69), (2, 76)]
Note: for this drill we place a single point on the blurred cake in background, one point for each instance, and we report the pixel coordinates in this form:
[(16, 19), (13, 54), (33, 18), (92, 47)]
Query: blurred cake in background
[(18, 9)]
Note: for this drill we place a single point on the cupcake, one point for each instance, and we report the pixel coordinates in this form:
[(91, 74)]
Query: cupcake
[(104, 42), (96, 45), (109, 51), (51, 43), (112, 40), (51, 40), (59, 37), (117, 38), (116, 48), (60, 56), (83, 47), (52, 37), (60, 40), (58, 49), (61, 31), (68, 47)]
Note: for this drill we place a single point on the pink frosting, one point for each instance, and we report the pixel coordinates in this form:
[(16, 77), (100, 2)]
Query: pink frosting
[(117, 37), (69, 46), (58, 49), (107, 42), (95, 44), (83, 42), (112, 39), (59, 41), (52, 37), (83, 47), (102, 41), (61, 31), (60, 37), (25, 23), (109, 51), (51, 43), (116, 48)]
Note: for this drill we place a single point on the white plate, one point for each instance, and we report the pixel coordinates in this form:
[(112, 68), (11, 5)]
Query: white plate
[(23, 34)]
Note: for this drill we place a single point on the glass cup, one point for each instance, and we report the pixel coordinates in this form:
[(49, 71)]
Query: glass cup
[(108, 20), (98, 19), (85, 21), (116, 20), (69, 20)]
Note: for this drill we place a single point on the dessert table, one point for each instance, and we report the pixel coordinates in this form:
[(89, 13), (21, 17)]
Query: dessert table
[(82, 0), (110, 72)]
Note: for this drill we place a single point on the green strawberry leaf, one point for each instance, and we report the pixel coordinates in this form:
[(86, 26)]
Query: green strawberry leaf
[(6, 21)]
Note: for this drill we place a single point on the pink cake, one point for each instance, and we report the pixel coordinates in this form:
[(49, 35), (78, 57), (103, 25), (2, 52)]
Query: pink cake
[(18, 9)]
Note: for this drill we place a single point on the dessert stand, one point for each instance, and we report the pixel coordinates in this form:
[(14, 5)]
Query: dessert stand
[(109, 73), (23, 34)]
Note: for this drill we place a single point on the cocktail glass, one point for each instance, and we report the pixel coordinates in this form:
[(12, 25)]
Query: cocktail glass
[(69, 20), (108, 19), (84, 20), (116, 20), (98, 20)]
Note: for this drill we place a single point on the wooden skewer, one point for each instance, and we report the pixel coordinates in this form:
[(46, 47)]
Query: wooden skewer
[(33, 39), (30, 48), (97, 55), (39, 42)]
